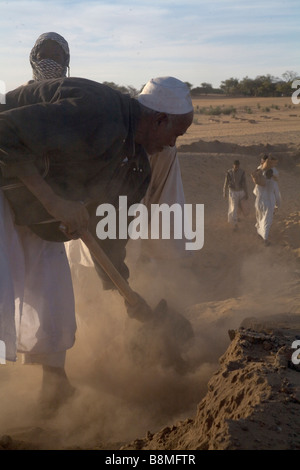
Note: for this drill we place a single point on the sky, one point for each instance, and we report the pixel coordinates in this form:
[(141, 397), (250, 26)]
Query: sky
[(128, 42)]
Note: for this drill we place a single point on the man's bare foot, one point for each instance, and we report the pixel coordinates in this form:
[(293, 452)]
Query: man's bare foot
[(56, 389)]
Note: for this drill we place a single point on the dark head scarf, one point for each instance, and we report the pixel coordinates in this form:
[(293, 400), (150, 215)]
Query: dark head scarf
[(48, 68)]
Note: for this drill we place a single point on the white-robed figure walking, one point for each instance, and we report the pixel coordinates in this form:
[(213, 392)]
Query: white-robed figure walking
[(267, 198), (236, 186)]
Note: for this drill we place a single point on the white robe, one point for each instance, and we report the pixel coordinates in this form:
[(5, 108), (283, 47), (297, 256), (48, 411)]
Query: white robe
[(235, 199), (37, 313), (267, 197), (275, 174), (165, 187)]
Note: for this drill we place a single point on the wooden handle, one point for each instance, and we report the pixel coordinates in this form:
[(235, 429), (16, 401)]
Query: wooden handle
[(108, 267)]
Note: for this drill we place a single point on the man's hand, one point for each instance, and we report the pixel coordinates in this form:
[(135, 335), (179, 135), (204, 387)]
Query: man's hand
[(73, 216)]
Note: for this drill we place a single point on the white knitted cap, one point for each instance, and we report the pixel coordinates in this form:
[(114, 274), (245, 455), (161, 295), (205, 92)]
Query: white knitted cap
[(166, 94)]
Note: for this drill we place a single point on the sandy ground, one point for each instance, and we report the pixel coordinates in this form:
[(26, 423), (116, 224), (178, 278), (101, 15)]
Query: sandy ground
[(130, 399)]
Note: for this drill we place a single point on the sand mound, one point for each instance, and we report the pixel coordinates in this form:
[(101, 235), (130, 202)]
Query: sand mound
[(287, 154), (253, 399)]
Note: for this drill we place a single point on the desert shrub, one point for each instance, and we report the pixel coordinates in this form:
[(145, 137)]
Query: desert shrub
[(229, 110), (201, 110), (215, 110)]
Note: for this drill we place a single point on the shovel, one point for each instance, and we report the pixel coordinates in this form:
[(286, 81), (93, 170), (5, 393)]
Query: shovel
[(163, 333)]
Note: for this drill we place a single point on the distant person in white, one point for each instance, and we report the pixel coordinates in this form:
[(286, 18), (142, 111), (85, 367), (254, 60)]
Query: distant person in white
[(268, 197), (267, 162), (236, 186), (262, 166)]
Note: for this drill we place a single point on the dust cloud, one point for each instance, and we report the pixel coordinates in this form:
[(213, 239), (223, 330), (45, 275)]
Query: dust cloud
[(124, 388), (122, 391), (122, 370)]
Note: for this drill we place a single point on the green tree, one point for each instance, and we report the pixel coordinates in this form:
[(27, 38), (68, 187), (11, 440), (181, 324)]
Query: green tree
[(206, 87), (132, 91), (284, 87), (189, 85), (230, 86), (265, 85), (247, 86), (289, 76)]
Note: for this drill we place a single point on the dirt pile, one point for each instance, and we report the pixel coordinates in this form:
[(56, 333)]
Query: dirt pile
[(286, 153), (253, 399)]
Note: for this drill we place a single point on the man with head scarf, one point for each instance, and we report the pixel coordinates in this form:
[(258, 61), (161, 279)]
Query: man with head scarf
[(65, 141), (50, 57)]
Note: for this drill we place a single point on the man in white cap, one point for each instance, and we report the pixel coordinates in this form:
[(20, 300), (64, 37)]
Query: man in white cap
[(166, 185), (64, 141), (167, 95)]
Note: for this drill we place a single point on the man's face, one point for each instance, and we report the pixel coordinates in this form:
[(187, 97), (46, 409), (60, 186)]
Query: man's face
[(235, 167), (164, 131)]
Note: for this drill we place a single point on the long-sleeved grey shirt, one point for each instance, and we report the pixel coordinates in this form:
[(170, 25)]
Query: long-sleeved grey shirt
[(236, 181), (85, 132)]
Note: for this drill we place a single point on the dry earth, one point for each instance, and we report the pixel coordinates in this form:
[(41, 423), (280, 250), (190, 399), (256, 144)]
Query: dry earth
[(240, 390)]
